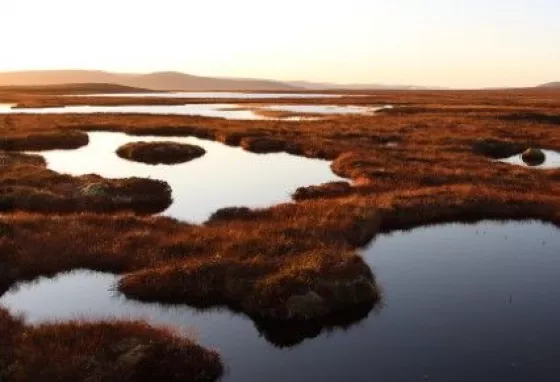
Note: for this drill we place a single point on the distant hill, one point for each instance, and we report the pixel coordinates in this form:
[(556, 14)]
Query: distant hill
[(85, 88), (161, 81), (326, 85), (550, 85)]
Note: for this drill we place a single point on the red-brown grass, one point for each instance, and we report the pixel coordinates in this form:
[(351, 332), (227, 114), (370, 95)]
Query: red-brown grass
[(101, 351), (223, 263)]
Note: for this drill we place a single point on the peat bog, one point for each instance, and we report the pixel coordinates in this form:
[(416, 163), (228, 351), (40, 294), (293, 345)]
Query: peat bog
[(298, 270)]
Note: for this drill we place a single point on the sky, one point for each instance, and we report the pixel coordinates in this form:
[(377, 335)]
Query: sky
[(450, 43)]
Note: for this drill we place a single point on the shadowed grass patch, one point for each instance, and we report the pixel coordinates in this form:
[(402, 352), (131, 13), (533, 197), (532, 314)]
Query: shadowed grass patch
[(42, 140)]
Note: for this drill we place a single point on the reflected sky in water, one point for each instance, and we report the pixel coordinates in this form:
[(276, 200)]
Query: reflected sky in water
[(224, 177), (227, 111), (552, 160)]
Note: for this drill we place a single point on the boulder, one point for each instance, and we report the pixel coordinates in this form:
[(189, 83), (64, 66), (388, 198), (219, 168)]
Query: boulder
[(95, 189), (305, 306)]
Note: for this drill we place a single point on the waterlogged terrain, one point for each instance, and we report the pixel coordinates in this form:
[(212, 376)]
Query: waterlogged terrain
[(205, 110), (460, 303), (324, 109), (552, 160), (228, 111), (224, 177)]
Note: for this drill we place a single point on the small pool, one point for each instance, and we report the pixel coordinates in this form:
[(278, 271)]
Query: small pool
[(552, 160), (227, 111), (325, 109), (224, 177)]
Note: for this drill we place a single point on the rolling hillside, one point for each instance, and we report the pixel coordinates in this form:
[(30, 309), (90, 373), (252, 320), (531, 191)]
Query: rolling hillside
[(161, 81)]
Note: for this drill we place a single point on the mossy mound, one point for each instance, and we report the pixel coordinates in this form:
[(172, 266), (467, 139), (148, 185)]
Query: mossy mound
[(160, 152), (533, 157)]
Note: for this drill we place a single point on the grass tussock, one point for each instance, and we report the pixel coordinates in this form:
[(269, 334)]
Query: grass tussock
[(102, 351), (160, 152)]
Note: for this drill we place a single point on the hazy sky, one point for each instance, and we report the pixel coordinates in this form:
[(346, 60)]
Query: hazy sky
[(462, 43)]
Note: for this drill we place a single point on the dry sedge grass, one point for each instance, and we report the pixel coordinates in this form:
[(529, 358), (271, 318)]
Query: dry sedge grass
[(429, 161), (160, 152), (102, 351)]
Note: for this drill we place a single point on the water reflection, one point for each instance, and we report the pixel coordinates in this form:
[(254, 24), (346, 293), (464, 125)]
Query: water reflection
[(324, 109), (227, 111), (91, 295), (225, 176), (552, 160)]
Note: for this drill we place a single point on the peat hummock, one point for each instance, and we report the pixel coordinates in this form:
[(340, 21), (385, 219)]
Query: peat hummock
[(160, 152)]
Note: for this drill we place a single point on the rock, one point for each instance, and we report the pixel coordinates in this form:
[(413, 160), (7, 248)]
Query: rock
[(533, 157), (95, 189), (306, 306), (128, 360), (349, 292)]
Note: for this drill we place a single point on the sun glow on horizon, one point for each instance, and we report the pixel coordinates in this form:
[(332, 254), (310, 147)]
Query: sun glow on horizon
[(435, 42)]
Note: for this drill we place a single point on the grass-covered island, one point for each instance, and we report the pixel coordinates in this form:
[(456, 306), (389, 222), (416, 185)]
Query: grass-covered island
[(160, 152)]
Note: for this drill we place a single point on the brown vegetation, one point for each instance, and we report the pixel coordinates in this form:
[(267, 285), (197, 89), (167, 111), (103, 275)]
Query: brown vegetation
[(102, 351), (160, 152), (222, 263), (27, 185)]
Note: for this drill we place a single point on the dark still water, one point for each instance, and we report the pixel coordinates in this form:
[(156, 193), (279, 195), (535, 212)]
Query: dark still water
[(461, 303)]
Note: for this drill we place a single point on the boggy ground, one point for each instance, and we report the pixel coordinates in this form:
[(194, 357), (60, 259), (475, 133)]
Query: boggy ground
[(429, 161)]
